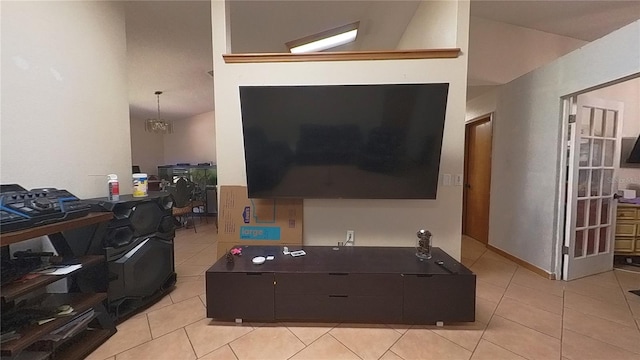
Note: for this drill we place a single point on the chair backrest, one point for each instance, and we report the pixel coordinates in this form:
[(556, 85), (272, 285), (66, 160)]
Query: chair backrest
[(182, 192)]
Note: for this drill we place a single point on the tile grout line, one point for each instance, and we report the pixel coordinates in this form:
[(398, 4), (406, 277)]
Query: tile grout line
[(205, 317), (133, 347), (233, 351), (395, 342), (343, 344), (586, 335), (305, 345), (144, 343), (627, 301), (451, 341), (494, 313), (184, 328)]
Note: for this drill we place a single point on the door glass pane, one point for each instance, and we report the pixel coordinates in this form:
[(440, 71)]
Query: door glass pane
[(596, 182), (608, 152), (610, 124), (607, 183), (585, 123), (594, 204), (585, 151), (604, 240), (604, 212), (591, 241), (596, 159), (581, 213), (583, 182), (598, 122), (579, 248)]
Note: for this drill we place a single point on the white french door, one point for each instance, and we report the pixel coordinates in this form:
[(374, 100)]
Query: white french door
[(593, 159)]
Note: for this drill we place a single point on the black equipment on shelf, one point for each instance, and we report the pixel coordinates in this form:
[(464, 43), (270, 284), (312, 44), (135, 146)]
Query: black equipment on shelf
[(138, 244), (22, 209)]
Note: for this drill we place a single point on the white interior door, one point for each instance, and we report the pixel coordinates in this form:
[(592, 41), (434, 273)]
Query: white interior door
[(594, 156)]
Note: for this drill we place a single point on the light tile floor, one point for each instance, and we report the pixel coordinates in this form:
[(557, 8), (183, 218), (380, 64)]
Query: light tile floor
[(520, 315)]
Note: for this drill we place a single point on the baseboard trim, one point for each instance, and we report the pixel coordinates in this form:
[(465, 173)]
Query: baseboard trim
[(522, 263)]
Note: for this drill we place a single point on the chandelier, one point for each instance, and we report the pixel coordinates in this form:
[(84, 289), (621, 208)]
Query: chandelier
[(158, 125)]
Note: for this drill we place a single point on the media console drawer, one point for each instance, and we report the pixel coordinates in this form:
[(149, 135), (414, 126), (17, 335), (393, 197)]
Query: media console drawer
[(339, 308), (338, 284), (312, 284)]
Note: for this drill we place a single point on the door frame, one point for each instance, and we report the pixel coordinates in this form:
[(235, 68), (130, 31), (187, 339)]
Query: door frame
[(488, 118), (563, 110)]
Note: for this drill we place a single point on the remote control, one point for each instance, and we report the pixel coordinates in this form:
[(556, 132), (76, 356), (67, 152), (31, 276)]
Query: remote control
[(298, 253), (442, 265)]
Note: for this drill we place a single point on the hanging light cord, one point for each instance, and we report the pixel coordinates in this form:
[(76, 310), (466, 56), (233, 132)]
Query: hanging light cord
[(158, 93)]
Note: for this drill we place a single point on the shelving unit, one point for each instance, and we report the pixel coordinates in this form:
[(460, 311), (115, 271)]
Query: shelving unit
[(85, 294), (19, 288)]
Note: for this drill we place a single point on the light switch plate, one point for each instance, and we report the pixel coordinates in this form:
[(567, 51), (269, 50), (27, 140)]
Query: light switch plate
[(446, 179)]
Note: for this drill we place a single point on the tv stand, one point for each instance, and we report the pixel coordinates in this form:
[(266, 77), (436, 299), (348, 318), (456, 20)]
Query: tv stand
[(342, 284)]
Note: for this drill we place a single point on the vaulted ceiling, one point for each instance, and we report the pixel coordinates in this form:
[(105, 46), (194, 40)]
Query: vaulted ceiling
[(169, 42)]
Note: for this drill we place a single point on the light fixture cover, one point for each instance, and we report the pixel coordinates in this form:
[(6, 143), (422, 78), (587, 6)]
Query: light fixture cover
[(325, 40)]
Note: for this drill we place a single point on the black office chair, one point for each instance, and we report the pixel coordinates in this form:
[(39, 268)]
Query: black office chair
[(182, 193)]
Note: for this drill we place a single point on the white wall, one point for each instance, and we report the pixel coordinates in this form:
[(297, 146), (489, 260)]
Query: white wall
[(193, 140), (500, 52), (65, 111), (628, 93), (147, 149), (526, 146), (482, 105), (376, 222), (433, 26)]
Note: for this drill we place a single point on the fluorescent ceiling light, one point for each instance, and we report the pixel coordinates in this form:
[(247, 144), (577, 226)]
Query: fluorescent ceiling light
[(325, 40)]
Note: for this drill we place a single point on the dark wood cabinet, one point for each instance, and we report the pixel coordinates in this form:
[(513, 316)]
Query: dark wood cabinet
[(346, 284), (432, 298), (246, 295)]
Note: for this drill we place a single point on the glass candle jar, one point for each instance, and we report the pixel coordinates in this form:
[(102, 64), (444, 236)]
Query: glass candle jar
[(423, 244)]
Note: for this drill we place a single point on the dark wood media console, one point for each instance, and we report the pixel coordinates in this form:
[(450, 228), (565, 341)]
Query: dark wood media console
[(342, 284)]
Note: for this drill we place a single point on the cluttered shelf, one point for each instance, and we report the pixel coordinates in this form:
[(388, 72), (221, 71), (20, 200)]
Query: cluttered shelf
[(47, 325), (83, 344), (78, 302), (30, 233), (23, 286)]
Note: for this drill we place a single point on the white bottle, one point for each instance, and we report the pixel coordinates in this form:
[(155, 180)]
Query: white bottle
[(114, 187)]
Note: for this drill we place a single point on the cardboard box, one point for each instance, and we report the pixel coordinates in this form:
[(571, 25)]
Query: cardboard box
[(244, 221)]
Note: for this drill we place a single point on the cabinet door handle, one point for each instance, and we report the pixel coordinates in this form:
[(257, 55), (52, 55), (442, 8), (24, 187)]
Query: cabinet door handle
[(254, 273), (339, 274), (338, 296)]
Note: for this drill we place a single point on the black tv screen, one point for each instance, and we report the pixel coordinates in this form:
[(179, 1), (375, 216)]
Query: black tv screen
[(634, 156), (343, 141)]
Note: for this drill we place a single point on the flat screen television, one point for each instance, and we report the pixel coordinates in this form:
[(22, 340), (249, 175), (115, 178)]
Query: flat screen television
[(634, 156), (343, 141)]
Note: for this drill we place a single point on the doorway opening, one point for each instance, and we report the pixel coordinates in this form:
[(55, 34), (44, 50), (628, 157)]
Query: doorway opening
[(592, 172)]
